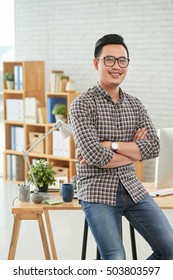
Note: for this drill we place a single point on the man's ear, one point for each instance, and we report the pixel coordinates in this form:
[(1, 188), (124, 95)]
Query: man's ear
[(95, 62)]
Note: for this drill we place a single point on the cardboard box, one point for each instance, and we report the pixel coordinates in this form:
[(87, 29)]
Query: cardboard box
[(34, 136), (61, 171)]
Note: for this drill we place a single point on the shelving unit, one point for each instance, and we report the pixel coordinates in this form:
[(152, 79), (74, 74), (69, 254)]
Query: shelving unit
[(32, 76), (33, 86)]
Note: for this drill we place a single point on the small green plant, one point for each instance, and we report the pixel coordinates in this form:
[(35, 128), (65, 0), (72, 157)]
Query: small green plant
[(43, 172), (9, 76), (59, 109)]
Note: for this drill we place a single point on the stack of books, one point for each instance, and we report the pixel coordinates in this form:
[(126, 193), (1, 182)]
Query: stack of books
[(58, 81)]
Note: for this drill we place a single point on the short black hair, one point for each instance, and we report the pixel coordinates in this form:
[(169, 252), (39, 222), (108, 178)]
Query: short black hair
[(108, 40)]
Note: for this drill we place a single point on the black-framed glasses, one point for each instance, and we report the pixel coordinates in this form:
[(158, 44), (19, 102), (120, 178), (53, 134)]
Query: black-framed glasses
[(110, 61)]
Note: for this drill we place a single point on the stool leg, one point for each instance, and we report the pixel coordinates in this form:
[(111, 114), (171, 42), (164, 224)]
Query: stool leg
[(84, 244), (98, 255), (133, 242)]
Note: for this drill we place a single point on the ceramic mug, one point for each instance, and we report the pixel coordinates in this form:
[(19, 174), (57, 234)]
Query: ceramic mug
[(67, 192)]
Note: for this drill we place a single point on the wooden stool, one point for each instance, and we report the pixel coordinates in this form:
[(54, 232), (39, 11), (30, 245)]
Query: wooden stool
[(85, 236)]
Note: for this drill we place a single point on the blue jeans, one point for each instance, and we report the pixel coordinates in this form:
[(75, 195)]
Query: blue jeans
[(145, 216)]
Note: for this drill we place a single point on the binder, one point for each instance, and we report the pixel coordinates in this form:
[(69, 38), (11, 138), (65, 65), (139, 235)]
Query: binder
[(19, 138), (17, 168), (18, 77), (9, 167), (13, 138)]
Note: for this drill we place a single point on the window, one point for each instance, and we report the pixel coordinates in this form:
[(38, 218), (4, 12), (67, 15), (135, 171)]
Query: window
[(6, 54)]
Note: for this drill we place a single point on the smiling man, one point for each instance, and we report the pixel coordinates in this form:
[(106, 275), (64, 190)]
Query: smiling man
[(112, 131)]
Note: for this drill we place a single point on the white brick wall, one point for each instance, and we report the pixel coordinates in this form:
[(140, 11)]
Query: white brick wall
[(63, 33)]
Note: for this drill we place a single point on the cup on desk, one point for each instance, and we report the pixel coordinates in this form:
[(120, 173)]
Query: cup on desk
[(67, 192), (24, 193)]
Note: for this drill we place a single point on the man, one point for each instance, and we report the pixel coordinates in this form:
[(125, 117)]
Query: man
[(112, 131)]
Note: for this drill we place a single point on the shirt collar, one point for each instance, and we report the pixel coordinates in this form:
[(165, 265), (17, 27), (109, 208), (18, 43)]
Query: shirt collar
[(106, 94)]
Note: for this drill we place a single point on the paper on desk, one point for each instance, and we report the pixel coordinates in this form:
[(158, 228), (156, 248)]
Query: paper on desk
[(53, 201)]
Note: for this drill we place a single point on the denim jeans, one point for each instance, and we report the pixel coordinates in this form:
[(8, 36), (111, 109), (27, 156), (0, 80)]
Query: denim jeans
[(145, 216)]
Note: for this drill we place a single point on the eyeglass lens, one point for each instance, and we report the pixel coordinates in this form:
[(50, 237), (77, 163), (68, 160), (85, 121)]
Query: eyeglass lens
[(111, 60)]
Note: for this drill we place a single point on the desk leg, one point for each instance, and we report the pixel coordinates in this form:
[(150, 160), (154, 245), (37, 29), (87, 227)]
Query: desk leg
[(43, 237), (50, 234), (14, 238)]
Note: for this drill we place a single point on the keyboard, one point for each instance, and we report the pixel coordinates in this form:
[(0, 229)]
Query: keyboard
[(162, 192)]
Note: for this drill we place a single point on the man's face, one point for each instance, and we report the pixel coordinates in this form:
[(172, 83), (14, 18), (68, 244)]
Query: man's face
[(111, 76)]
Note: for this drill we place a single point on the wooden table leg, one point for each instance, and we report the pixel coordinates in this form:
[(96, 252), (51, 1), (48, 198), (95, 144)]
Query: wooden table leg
[(16, 228), (14, 237), (50, 234), (43, 237)]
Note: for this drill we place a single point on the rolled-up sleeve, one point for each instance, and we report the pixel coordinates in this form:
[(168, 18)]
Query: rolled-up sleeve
[(150, 147), (81, 120)]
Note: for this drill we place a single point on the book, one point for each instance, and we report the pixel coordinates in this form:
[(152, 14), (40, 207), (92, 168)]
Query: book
[(31, 113), (27, 109), (13, 137), (17, 168), (53, 201), (19, 138), (55, 78), (9, 167), (41, 111), (51, 101), (33, 110)]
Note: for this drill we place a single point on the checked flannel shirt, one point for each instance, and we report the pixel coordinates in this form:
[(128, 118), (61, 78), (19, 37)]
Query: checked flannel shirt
[(95, 118)]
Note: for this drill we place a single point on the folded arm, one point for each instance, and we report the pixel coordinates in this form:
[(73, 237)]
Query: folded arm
[(127, 153)]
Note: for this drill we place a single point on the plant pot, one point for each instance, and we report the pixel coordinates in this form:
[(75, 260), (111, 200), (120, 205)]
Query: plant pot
[(10, 84), (43, 188), (59, 117)]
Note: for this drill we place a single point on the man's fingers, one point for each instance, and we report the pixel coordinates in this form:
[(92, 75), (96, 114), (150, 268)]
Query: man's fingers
[(140, 134)]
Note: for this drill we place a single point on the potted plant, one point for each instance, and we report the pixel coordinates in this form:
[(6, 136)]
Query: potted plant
[(9, 78), (44, 174), (60, 112)]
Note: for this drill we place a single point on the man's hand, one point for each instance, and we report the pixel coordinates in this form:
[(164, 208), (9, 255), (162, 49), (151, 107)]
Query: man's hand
[(141, 134), (82, 160)]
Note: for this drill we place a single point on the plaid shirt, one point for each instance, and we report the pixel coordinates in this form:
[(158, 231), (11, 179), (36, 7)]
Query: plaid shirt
[(95, 118)]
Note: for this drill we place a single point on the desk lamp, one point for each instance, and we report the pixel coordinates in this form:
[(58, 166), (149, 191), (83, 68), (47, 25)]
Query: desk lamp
[(65, 131)]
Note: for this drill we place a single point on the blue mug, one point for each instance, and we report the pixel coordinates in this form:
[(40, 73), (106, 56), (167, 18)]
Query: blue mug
[(67, 192)]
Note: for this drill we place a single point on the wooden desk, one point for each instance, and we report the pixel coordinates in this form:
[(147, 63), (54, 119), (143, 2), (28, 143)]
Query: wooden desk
[(31, 211), (164, 202)]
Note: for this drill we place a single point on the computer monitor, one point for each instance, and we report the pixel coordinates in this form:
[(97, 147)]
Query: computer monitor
[(164, 162)]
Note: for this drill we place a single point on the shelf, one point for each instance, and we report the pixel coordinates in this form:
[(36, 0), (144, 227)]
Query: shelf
[(12, 91)]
